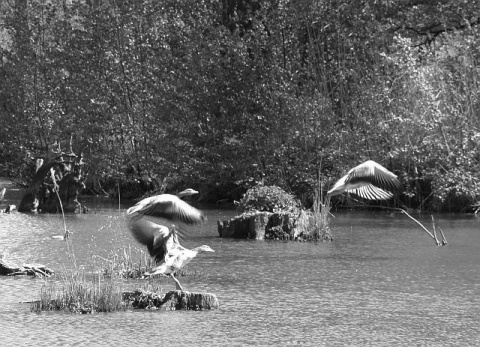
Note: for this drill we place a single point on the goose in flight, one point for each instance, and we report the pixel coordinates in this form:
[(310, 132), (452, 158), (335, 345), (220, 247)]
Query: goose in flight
[(368, 180), (162, 241)]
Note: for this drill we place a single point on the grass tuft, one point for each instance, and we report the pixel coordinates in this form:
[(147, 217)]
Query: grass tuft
[(314, 225), (79, 294)]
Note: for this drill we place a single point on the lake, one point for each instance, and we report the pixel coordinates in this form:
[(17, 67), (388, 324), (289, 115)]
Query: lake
[(381, 282)]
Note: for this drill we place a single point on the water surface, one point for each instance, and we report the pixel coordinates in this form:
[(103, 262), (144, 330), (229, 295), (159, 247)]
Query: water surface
[(381, 282)]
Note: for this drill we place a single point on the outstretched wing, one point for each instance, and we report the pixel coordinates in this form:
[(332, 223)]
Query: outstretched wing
[(168, 207), (373, 174), (158, 238), (371, 192)]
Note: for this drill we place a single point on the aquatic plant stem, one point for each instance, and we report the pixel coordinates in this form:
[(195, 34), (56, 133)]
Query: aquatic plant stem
[(65, 231), (55, 189), (432, 235), (118, 188)]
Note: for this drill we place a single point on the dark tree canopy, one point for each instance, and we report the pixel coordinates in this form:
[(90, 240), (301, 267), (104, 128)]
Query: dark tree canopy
[(220, 95)]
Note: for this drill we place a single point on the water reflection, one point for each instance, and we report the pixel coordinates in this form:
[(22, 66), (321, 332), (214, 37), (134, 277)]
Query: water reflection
[(381, 282)]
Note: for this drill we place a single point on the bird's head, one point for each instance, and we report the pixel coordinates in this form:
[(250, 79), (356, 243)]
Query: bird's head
[(204, 248), (187, 192)]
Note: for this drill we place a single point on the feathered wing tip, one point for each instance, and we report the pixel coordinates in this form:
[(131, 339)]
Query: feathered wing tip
[(368, 180), (370, 192), (152, 235), (376, 174), (2, 193)]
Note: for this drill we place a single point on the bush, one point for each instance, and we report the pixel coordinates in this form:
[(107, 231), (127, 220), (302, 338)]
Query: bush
[(269, 199)]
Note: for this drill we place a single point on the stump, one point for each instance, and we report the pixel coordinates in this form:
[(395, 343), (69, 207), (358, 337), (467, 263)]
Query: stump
[(171, 301), (249, 225), (263, 225), (58, 175)]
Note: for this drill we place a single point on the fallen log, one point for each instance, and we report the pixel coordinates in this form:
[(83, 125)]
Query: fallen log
[(171, 301), (10, 269)]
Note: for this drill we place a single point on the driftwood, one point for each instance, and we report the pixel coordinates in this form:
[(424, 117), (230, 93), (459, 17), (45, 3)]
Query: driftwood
[(56, 184), (10, 269), (171, 301)]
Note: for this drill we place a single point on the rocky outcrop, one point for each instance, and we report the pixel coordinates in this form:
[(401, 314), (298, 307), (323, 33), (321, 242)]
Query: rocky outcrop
[(171, 301)]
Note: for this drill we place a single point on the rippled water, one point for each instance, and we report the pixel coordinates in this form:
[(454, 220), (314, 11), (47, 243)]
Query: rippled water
[(381, 282)]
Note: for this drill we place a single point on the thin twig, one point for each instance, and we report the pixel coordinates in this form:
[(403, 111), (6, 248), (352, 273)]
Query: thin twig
[(118, 188), (421, 225), (444, 239), (416, 221), (435, 231), (66, 233), (55, 189)]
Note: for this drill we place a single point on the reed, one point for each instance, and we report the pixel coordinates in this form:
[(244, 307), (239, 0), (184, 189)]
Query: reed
[(80, 294), (125, 264), (314, 225), (128, 264), (321, 218)]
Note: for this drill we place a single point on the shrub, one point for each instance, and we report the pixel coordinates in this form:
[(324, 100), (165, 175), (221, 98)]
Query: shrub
[(269, 199)]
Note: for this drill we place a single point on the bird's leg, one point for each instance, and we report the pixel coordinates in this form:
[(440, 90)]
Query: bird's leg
[(179, 286)]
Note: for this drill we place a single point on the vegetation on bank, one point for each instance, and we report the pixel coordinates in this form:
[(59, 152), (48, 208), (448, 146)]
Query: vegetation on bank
[(219, 95)]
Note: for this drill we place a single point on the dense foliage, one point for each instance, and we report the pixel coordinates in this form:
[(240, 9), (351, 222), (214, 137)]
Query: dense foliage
[(269, 199), (219, 94)]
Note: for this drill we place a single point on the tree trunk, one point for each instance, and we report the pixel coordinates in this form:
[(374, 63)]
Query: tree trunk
[(59, 176)]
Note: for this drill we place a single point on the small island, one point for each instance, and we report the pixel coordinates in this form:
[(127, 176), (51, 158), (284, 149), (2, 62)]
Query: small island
[(268, 212)]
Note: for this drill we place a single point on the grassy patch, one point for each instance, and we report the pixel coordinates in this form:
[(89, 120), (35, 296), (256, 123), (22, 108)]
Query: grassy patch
[(101, 290), (321, 219), (79, 294), (314, 225)]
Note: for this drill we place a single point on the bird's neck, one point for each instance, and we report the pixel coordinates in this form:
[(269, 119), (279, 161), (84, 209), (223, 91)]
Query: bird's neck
[(197, 250)]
